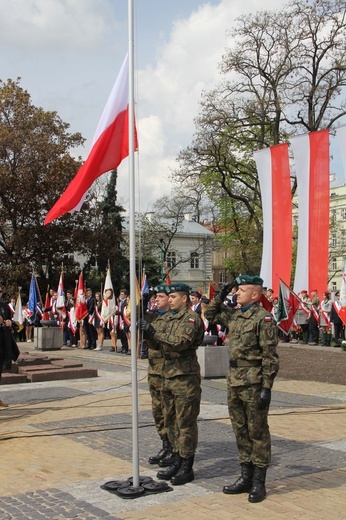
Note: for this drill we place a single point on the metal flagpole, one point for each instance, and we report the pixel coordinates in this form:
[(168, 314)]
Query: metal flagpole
[(135, 453)]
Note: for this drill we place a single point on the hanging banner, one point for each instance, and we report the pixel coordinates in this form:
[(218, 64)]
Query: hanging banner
[(275, 184), (312, 164)]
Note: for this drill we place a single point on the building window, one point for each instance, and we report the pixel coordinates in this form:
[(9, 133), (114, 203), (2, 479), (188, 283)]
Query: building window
[(334, 264), (334, 286), (194, 261), (343, 213), (222, 277), (334, 241), (171, 259), (333, 215)]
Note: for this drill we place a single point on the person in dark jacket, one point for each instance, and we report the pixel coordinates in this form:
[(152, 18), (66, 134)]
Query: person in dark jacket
[(8, 347), (339, 332)]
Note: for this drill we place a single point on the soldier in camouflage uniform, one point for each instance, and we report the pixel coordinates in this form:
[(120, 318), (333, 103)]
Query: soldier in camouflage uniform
[(155, 359), (253, 367), (181, 391)]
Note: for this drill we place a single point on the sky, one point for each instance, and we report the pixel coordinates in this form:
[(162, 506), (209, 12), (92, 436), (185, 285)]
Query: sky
[(68, 54)]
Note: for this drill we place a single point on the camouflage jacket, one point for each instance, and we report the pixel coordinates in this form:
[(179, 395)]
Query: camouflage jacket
[(155, 355), (252, 341), (179, 338)]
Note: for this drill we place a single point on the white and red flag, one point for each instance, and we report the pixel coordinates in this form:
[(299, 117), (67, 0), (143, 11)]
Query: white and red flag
[(275, 183), (18, 312), (211, 291), (109, 147), (312, 164), (109, 306), (266, 303), (288, 304), (81, 306), (60, 300)]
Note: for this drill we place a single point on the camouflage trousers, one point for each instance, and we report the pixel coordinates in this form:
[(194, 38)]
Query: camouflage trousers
[(155, 389), (250, 425), (181, 399)]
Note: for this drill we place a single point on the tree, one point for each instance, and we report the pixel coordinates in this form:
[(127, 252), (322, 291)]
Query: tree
[(284, 73), (35, 168), (106, 235)]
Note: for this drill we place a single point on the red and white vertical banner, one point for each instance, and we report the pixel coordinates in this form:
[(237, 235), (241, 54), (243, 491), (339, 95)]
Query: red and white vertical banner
[(275, 184), (312, 163), (341, 135)]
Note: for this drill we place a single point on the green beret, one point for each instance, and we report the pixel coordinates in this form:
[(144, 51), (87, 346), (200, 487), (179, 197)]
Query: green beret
[(244, 279), (163, 288), (178, 287)]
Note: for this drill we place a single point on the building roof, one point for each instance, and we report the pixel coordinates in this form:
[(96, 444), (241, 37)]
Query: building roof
[(192, 228), (187, 227)]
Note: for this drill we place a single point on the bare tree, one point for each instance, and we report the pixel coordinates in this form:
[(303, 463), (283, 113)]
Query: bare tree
[(284, 73)]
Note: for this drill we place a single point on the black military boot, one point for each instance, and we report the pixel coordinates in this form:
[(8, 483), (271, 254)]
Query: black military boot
[(244, 483), (164, 451), (185, 473), (258, 490), (171, 470), (168, 459)]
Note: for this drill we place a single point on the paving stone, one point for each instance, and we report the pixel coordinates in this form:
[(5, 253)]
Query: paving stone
[(306, 479)]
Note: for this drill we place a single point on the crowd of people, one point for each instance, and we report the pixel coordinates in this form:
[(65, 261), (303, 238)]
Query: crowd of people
[(316, 321), (87, 331)]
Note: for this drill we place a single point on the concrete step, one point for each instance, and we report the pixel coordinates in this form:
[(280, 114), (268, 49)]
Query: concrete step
[(61, 363), (61, 374), (36, 368), (8, 378)]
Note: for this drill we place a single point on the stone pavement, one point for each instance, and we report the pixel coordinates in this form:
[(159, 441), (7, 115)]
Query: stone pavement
[(62, 440)]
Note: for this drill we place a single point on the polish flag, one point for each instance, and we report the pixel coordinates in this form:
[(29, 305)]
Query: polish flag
[(109, 307), (109, 147), (311, 156), (275, 184), (60, 301), (81, 306)]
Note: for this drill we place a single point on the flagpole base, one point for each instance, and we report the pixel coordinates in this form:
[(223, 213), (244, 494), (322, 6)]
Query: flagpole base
[(126, 490)]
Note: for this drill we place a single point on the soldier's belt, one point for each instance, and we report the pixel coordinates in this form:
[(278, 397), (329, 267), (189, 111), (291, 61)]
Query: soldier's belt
[(176, 355), (243, 363), (155, 361)]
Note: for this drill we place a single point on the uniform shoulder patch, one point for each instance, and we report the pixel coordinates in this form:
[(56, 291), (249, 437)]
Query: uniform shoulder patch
[(191, 320), (267, 318)]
